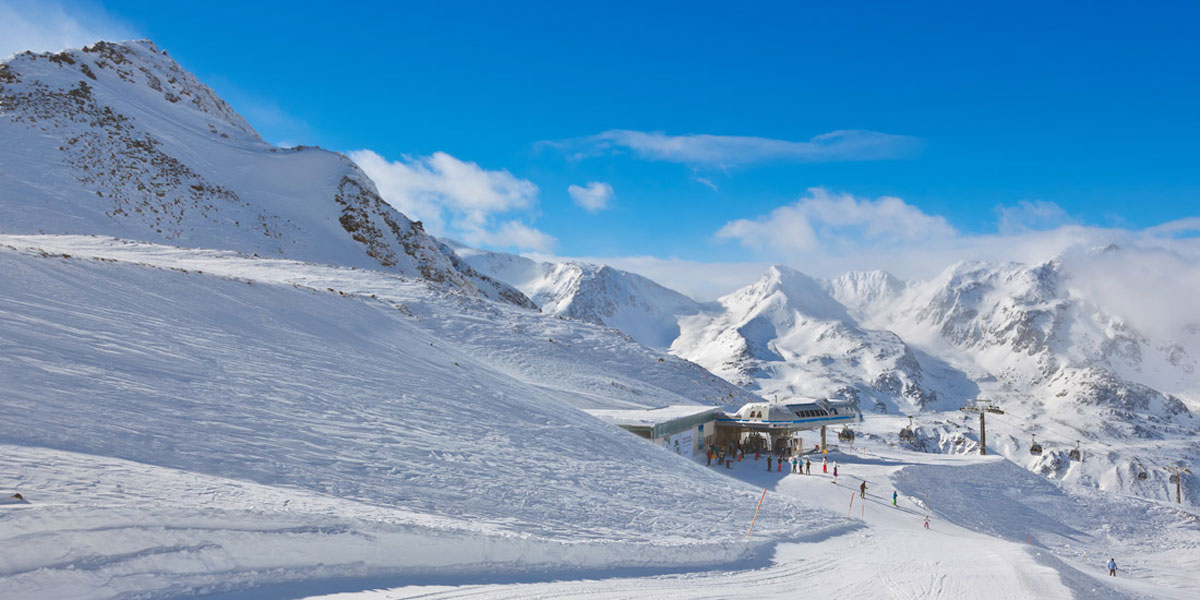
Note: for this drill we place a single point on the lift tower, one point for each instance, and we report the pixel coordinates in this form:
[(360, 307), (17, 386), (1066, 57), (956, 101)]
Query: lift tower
[(982, 407), (1177, 478)]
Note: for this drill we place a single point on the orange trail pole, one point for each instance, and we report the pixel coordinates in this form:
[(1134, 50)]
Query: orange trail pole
[(760, 499), (863, 504), (851, 504)]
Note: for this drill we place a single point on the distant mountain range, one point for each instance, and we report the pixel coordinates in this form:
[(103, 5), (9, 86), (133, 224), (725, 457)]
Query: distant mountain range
[(1015, 335)]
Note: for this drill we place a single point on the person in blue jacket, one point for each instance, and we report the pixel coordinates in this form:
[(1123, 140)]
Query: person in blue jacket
[(1112, 567)]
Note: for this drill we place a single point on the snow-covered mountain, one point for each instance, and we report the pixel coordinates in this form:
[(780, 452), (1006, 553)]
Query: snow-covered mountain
[(639, 307), (1061, 365), (118, 139), (1026, 323), (228, 365), (786, 335)]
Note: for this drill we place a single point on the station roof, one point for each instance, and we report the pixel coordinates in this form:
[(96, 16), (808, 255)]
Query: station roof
[(658, 422)]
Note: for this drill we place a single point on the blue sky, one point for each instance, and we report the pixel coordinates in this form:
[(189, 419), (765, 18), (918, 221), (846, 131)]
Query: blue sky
[(983, 119)]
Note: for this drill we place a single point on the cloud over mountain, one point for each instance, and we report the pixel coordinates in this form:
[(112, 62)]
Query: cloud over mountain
[(725, 151), (457, 197)]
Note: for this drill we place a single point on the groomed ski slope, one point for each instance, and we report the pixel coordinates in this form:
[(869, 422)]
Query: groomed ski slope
[(187, 422), (997, 532)]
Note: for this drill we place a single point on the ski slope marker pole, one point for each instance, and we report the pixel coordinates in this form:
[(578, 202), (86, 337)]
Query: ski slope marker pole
[(760, 500), (851, 505)]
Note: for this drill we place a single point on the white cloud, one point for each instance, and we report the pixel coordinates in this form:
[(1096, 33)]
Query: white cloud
[(592, 198), (1177, 227), (1152, 285), (514, 234), (821, 219), (50, 27), (724, 151), (458, 198), (1031, 216)]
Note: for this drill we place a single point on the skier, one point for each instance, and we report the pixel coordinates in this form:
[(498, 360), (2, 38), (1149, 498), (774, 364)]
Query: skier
[(926, 521), (795, 464), (824, 465), (835, 472), (708, 453), (894, 496), (1112, 567), (807, 467), (862, 490), (779, 464), (770, 460)]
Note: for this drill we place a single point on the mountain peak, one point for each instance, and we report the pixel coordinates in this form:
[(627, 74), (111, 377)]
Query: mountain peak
[(117, 139), (135, 69)]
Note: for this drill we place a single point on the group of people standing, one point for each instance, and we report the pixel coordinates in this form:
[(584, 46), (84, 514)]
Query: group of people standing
[(725, 454), (730, 452), (796, 463)]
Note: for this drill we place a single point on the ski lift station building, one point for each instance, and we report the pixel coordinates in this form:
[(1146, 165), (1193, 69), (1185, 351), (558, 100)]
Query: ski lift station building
[(680, 429), (688, 429)]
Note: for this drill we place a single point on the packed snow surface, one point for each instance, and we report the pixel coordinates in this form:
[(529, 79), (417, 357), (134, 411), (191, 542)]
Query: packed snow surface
[(185, 421), (996, 531)]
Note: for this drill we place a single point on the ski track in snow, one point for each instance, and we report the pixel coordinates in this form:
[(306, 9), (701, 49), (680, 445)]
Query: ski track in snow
[(891, 556)]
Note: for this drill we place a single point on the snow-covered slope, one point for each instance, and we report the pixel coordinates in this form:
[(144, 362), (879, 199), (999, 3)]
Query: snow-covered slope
[(864, 293), (996, 531), (786, 334), (183, 421), (639, 307), (118, 139)]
